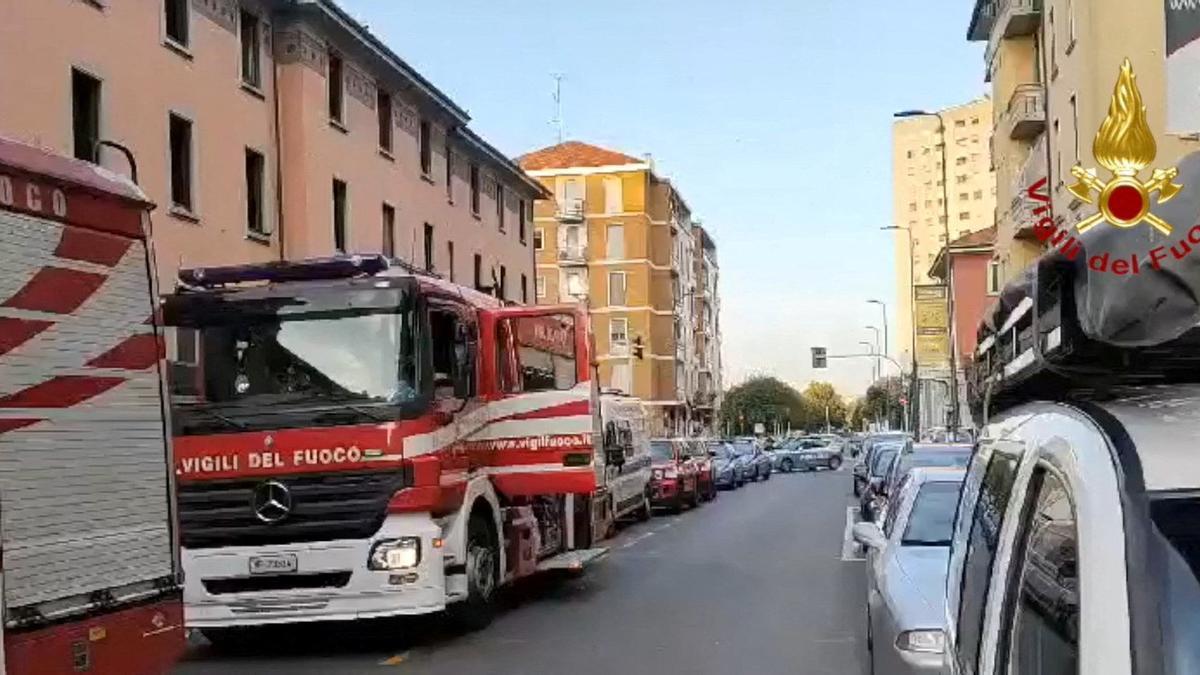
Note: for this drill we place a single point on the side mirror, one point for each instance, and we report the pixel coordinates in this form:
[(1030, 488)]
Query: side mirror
[(869, 535), (712, 453)]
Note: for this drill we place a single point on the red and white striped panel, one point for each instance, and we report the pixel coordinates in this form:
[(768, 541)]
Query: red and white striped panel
[(82, 448)]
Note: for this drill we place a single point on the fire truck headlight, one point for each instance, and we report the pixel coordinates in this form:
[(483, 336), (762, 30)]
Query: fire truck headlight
[(395, 554)]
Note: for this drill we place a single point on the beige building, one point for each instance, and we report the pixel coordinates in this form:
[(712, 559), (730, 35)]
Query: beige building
[(1052, 65), (621, 238), (267, 129), (918, 195)]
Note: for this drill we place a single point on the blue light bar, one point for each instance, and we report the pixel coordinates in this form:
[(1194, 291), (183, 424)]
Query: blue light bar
[(313, 269)]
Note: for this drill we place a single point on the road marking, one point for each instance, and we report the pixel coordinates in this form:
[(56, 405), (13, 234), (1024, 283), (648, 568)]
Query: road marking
[(636, 539), (850, 548), (394, 660)]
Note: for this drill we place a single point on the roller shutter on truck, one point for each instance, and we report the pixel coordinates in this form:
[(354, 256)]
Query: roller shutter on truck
[(85, 489)]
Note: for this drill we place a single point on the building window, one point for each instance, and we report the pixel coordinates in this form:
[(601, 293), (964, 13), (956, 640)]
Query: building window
[(1053, 44), (426, 147), (449, 170), (522, 219), (958, 124), (500, 205), (576, 288), (961, 179), (334, 85), (974, 121), (181, 161), (979, 194), (428, 247), (960, 161), (539, 238), (450, 255), (251, 50), (964, 215), (1075, 125), (616, 289), (540, 286), (478, 272), (85, 114), (928, 203), (909, 154), (389, 230), (176, 21), (339, 216), (618, 336), (1070, 25), (255, 174), (912, 206), (383, 106), (613, 197), (993, 277), (502, 292), (475, 189), (615, 240), (963, 195)]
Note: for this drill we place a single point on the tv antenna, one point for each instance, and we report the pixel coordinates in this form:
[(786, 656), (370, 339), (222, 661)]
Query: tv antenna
[(558, 118)]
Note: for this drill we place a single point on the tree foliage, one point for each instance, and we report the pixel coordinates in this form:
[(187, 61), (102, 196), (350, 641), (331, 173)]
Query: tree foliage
[(767, 400), (883, 402)]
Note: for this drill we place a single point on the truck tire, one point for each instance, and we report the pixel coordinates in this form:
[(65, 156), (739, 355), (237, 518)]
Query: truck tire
[(483, 572)]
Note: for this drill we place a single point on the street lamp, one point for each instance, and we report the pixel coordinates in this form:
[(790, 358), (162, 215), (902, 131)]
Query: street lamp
[(887, 406), (949, 291), (912, 320), (878, 366), (883, 307), (870, 350)]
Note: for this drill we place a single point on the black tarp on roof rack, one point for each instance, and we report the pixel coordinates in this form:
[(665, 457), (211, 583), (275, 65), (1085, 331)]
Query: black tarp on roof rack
[(1071, 325)]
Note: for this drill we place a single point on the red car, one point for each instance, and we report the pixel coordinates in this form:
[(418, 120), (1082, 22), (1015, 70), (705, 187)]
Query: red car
[(673, 480), (706, 470)]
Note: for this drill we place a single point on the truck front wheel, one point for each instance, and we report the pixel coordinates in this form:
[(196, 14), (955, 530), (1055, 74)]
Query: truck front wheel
[(478, 610)]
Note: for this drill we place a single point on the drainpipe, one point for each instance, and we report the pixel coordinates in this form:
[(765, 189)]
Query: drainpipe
[(279, 229)]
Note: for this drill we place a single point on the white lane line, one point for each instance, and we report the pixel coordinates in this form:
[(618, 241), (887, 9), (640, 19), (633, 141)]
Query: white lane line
[(640, 537), (850, 548)]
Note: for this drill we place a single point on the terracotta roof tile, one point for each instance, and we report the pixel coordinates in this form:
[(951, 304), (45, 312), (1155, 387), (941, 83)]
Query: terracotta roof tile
[(572, 154), (985, 237)]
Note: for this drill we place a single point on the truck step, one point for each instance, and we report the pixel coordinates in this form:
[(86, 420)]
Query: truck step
[(572, 560)]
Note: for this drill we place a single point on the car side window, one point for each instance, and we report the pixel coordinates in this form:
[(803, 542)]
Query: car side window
[(980, 555), (889, 521), (1043, 632)]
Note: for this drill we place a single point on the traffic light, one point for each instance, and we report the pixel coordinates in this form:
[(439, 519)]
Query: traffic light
[(818, 356), (639, 350)]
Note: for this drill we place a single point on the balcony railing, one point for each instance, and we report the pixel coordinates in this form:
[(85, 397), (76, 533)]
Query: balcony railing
[(1013, 18), (570, 210), (573, 255), (1022, 206), (1025, 117)]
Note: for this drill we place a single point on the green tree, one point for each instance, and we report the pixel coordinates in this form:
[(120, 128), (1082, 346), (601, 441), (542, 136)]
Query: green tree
[(766, 400), (821, 396), (883, 401)]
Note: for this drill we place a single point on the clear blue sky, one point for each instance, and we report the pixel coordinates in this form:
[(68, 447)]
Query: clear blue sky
[(773, 117)]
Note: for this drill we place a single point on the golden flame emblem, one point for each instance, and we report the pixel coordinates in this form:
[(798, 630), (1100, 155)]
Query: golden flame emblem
[(1125, 146)]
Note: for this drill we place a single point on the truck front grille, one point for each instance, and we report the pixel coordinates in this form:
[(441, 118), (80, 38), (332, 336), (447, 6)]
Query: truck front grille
[(323, 508), (279, 582)]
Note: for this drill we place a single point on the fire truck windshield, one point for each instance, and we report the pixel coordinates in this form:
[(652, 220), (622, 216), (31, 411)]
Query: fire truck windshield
[(317, 360)]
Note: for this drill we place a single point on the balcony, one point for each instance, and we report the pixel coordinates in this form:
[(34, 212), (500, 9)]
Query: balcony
[(1021, 209), (1013, 18), (573, 255), (570, 210), (1025, 117)]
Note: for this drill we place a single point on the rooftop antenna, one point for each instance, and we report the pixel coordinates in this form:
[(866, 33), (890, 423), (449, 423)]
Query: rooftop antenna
[(558, 118)]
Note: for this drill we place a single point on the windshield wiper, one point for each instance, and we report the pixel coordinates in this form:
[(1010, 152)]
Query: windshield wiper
[(213, 414)]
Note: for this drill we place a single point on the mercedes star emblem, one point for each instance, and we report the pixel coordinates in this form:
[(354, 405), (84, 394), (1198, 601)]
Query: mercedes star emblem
[(272, 502)]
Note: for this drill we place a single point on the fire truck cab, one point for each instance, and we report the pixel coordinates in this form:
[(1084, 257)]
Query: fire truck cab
[(358, 439)]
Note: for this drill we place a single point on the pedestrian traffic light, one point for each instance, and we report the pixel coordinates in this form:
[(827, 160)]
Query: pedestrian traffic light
[(639, 350), (818, 356)]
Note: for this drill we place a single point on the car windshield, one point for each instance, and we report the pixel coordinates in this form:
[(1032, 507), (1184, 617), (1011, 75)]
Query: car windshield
[(743, 449), (954, 458), (720, 449), (662, 450), (931, 521), (882, 460)]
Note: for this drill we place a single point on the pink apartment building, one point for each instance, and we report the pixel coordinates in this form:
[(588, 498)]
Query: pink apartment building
[(267, 129)]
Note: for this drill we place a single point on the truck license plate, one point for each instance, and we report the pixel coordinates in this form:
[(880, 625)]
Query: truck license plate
[(273, 564)]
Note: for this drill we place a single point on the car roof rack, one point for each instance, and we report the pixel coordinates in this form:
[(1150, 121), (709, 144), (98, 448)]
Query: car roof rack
[(1032, 345)]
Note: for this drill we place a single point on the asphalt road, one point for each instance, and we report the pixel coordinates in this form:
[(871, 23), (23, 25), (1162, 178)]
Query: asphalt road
[(754, 582)]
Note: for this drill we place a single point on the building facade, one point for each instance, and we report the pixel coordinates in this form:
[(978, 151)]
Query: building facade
[(919, 200), (1052, 65), (621, 238), (267, 130), (706, 314)]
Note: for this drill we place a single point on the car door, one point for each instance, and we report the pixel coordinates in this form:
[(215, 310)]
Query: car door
[(878, 560)]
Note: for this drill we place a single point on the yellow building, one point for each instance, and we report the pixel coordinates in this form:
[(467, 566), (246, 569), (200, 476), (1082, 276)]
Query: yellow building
[(619, 237), (1052, 67), (917, 195)]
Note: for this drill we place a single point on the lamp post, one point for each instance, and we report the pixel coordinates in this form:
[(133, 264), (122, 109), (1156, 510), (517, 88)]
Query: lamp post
[(914, 391), (870, 350), (878, 366), (953, 421), (887, 404), (883, 308)]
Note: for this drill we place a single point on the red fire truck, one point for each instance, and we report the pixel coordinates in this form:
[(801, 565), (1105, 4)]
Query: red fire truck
[(89, 563), (358, 439)]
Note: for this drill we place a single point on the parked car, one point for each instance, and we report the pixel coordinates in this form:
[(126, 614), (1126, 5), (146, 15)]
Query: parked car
[(880, 462), (757, 462), (922, 455), (807, 454), (864, 459), (906, 573), (727, 466), (706, 470), (672, 476)]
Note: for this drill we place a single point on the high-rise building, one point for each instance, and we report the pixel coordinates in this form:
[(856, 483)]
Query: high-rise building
[(1052, 65), (619, 237), (960, 137)]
